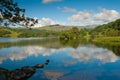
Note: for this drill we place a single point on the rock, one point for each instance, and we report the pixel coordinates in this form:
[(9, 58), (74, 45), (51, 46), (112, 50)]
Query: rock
[(20, 74), (39, 66)]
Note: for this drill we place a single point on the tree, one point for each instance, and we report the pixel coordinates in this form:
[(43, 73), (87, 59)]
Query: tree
[(75, 30), (11, 13), (73, 33)]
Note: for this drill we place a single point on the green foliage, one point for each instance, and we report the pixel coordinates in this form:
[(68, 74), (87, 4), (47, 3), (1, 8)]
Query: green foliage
[(110, 29), (114, 25), (25, 32), (4, 33), (11, 13), (84, 32), (107, 39), (70, 34), (37, 34)]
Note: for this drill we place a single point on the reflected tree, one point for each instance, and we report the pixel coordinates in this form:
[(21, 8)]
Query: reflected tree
[(72, 43), (115, 48)]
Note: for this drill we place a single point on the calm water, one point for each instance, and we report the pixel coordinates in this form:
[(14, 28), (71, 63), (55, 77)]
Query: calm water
[(69, 60)]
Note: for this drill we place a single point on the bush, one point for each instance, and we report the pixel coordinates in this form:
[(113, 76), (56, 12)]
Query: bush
[(4, 33)]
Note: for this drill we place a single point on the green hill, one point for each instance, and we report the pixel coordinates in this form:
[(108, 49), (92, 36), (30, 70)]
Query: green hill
[(110, 29)]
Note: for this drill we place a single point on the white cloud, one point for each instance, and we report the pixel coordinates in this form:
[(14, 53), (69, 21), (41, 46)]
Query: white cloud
[(47, 21), (89, 18), (67, 9), (50, 1), (82, 17), (107, 15)]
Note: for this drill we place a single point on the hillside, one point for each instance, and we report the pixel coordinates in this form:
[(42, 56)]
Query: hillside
[(58, 27), (109, 29), (7, 32)]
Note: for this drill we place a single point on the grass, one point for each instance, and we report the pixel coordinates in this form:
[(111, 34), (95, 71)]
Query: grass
[(13, 34), (107, 39)]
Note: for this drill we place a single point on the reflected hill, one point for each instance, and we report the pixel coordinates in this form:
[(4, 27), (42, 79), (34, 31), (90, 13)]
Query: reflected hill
[(20, 74), (56, 43), (74, 43), (47, 42), (115, 47)]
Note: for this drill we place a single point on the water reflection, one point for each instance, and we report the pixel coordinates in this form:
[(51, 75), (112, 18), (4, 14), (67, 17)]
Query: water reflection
[(47, 42), (20, 74), (83, 54), (71, 60), (19, 53), (87, 54), (113, 47), (72, 43), (53, 75)]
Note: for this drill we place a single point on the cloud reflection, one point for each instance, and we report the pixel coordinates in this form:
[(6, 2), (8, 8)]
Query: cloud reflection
[(86, 54), (19, 53), (53, 75), (82, 54)]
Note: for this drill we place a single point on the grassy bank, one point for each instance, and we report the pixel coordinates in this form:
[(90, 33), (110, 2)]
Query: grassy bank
[(107, 39)]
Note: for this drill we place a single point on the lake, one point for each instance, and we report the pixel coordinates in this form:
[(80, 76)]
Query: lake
[(69, 60)]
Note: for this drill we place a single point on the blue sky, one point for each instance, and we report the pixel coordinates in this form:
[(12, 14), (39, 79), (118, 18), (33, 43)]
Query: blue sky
[(72, 12)]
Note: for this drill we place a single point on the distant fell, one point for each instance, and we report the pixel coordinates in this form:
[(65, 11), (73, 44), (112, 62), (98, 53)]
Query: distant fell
[(58, 27)]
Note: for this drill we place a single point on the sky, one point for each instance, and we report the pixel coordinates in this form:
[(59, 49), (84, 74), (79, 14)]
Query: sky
[(71, 12)]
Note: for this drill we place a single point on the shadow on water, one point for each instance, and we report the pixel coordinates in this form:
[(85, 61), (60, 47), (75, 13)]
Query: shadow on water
[(20, 74)]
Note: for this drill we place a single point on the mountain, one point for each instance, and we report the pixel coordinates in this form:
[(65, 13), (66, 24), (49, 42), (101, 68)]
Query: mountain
[(58, 27), (91, 26), (112, 25)]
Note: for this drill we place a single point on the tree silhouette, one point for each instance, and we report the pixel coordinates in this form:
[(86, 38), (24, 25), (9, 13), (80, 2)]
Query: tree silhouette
[(11, 13)]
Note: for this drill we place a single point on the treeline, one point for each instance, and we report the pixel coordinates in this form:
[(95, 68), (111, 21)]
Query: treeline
[(25, 32), (37, 33), (111, 29), (73, 33)]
